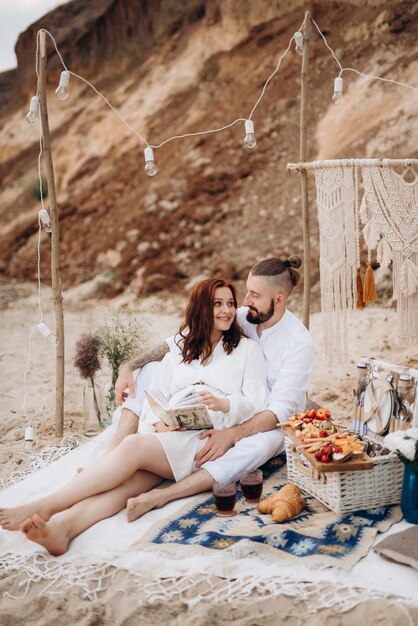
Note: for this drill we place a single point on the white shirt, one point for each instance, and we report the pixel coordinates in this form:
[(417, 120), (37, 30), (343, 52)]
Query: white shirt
[(288, 350), (240, 376)]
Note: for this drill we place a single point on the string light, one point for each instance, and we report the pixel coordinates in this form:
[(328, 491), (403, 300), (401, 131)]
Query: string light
[(150, 167), (62, 89), (33, 115), (297, 37), (47, 333), (351, 69), (298, 43), (45, 220), (29, 437), (250, 140), (338, 96)]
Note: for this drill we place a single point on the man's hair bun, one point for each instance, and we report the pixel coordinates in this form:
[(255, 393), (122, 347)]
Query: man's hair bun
[(295, 261)]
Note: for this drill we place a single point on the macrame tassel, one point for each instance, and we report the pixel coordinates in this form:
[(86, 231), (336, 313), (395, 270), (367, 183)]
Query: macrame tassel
[(359, 286), (369, 287), (384, 253), (409, 278), (371, 234)]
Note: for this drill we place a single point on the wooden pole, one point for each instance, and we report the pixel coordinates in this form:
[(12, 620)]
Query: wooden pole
[(297, 167), (55, 272), (304, 174)]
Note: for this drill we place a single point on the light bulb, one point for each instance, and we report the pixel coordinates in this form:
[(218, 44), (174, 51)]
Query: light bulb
[(298, 43), (338, 96), (62, 90), (250, 140), (47, 332), (33, 115), (45, 220), (150, 167), (29, 437)]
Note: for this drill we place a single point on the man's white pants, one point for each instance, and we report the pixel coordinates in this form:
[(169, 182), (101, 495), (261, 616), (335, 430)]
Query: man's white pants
[(247, 454), (142, 382)]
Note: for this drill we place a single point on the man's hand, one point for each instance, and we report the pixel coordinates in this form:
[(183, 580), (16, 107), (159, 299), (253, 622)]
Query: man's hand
[(213, 402), (218, 443), (160, 427), (125, 379)]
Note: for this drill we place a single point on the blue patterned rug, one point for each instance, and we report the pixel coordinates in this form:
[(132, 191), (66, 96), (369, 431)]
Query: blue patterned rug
[(319, 536)]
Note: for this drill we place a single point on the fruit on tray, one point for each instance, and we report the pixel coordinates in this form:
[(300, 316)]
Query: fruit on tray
[(314, 424), (338, 449), (321, 414), (318, 435)]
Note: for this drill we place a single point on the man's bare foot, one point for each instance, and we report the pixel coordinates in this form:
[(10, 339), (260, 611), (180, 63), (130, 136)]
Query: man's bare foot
[(49, 535), (143, 503), (13, 517)]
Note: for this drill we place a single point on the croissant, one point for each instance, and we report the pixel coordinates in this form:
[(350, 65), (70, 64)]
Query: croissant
[(284, 505), (266, 505)]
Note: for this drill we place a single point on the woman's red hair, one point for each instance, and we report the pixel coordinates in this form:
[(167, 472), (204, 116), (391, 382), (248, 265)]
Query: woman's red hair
[(199, 320)]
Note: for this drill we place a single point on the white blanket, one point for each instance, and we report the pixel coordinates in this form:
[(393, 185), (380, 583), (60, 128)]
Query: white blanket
[(112, 542)]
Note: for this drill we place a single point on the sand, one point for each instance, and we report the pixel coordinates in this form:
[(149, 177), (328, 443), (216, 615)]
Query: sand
[(371, 334)]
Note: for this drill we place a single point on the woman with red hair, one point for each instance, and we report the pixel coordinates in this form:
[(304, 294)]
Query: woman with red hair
[(227, 372)]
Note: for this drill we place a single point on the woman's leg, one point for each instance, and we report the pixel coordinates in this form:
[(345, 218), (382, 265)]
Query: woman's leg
[(56, 534), (133, 453)]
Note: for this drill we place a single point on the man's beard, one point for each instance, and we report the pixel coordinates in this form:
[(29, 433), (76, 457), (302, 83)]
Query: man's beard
[(259, 317)]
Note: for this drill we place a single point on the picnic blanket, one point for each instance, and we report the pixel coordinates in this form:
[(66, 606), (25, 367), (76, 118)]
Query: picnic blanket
[(170, 548), (317, 535)]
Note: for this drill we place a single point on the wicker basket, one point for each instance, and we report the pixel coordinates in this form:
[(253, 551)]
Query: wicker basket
[(343, 492)]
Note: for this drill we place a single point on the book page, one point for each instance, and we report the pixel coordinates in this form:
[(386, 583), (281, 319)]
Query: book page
[(161, 412), (194, 417), (188, 398)]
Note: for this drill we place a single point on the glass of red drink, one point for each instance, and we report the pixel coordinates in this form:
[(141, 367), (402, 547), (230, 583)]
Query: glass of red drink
[(252, 486), (225, 495)]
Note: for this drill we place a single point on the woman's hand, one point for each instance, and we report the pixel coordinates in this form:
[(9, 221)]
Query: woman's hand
[(214, 403), (160, 427)]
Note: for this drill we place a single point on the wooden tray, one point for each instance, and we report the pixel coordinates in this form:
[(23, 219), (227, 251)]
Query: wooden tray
[(355, 464)]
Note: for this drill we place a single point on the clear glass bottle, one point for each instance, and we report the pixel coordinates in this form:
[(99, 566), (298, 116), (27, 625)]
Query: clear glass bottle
[(406, 400), (357, 424)]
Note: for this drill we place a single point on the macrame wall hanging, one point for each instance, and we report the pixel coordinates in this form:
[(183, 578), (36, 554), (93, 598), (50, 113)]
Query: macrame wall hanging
[(389, 214), (336, 197), (389, 211)]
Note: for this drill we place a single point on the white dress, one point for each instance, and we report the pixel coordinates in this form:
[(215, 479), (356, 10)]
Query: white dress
[(240, 376)]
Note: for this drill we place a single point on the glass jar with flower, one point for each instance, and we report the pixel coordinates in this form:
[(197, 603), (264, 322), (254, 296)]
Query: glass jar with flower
[(405, 444), (119, 340)]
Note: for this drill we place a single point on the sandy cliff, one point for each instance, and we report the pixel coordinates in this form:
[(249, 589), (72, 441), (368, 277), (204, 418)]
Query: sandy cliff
[(173, 67)]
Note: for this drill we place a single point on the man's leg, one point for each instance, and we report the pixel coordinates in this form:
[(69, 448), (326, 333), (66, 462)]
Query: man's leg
[(132, 407), (247, 454), (156, 498), (128, 425)]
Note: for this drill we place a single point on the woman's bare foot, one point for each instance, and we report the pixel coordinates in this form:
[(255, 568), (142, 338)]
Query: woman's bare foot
[(143, 503), (13, 517), (50, 535)]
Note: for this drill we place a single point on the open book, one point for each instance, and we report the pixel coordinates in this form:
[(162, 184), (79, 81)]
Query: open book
[(184, 413)]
